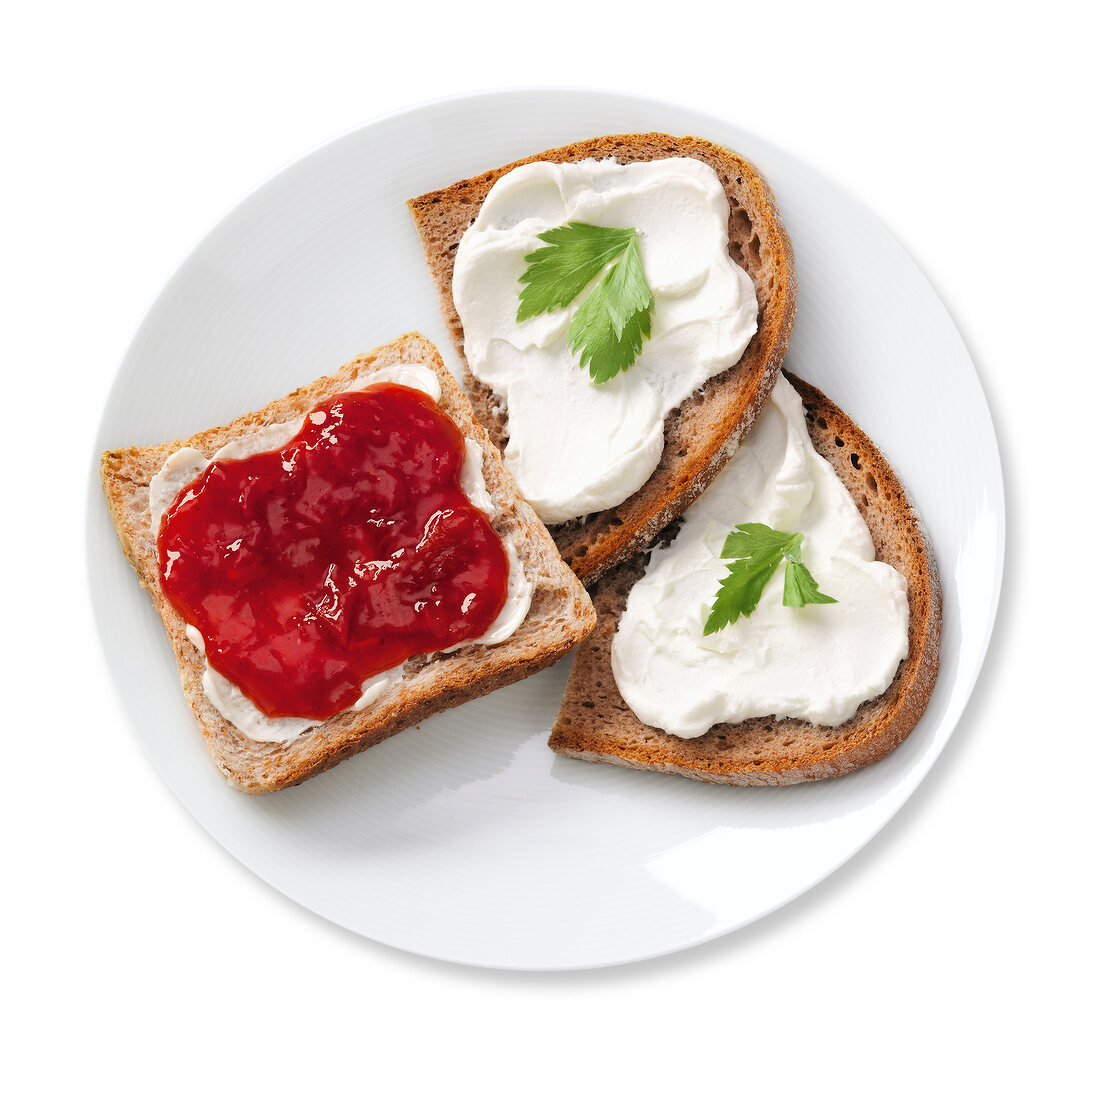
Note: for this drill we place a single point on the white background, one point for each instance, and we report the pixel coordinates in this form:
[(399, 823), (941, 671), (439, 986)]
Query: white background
[(953, 956)]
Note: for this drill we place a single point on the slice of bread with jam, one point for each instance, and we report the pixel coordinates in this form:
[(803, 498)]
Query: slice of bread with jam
[(559, 616)]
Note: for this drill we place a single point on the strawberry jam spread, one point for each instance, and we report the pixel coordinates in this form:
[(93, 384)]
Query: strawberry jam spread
[(310, 569)]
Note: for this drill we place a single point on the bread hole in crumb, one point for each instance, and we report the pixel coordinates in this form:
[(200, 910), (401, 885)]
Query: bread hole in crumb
[(821, 422), (870, 484), (839, 441), (855, 460), (588, 705)]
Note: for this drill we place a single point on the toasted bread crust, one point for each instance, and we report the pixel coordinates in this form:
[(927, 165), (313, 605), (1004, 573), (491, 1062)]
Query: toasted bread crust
[(595, 723), (706, 429), (560, 614)]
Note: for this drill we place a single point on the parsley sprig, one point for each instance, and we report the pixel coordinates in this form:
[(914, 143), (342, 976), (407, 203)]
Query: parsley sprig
[(615, 318), (758, 550)]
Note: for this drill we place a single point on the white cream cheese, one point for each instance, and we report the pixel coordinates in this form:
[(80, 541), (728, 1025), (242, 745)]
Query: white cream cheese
[(183, 466), (575, 447), (819, 662)]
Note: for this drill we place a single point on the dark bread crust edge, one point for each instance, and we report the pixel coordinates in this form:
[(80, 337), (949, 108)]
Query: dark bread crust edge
[(597, 725), (705, 431), (560, 612)]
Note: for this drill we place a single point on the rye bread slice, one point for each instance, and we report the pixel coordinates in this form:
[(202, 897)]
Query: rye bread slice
[(595, 723), (705, 430), (560, 614)]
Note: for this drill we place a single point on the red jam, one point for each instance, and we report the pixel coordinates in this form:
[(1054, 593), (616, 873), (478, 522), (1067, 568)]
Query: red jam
[(310, 569)]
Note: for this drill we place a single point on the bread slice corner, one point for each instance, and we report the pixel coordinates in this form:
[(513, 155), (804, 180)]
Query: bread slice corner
[(594, 722), (706, 429), (560, 613)]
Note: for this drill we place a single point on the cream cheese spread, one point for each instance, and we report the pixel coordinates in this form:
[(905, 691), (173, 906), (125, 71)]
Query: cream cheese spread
[(575, 447), (818, 662), (183, 466)]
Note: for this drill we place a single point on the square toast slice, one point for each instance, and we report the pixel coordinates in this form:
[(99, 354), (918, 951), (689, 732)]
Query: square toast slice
[(560, 614)]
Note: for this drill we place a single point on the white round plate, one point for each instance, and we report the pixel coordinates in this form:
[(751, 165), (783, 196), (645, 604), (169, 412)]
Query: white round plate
[(467, 839)]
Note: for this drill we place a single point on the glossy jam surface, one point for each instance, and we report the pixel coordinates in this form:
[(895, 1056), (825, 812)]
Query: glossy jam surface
[(309, 569)]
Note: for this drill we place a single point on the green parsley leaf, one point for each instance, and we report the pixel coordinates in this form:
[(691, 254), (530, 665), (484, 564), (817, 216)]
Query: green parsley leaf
[(800, 586), (758, 550), (576, 253), (615, 318)]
